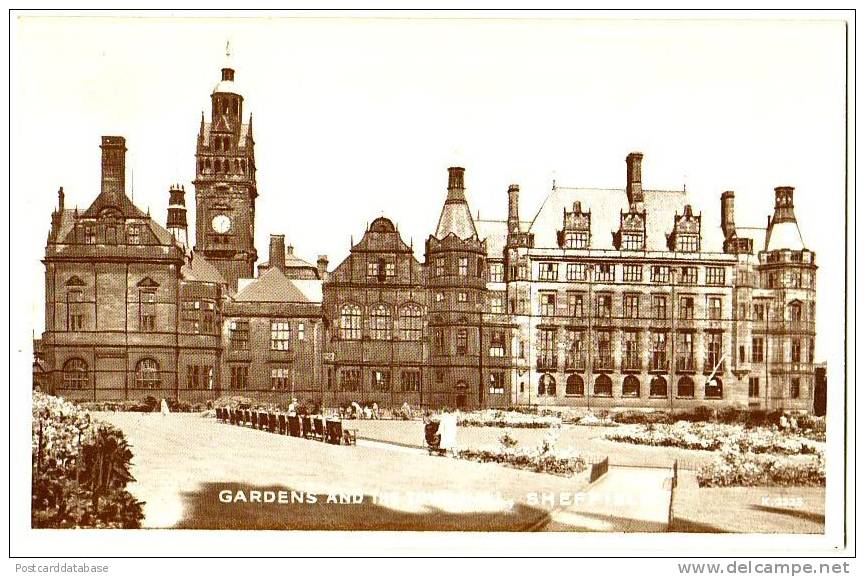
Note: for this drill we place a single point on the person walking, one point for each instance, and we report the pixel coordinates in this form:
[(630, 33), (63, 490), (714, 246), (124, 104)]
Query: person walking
[(164, 407)]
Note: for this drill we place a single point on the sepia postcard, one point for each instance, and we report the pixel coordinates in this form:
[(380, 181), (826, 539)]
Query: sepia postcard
[(434, 283)]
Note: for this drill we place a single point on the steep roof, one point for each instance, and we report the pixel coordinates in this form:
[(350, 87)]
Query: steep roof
[(274, 287), (606, 205), (784, 235), (200, 269), (116, 200), (207, 128)]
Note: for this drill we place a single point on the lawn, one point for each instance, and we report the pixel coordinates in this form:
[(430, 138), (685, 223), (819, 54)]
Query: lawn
[(747, 509)]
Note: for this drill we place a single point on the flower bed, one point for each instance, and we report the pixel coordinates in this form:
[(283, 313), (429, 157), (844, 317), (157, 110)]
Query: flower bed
[(734, 468), (80, 470), (713, 436), (507, 419), (544, 458)]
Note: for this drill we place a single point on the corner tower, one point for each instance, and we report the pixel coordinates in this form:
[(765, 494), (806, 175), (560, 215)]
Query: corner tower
[(225, 188)]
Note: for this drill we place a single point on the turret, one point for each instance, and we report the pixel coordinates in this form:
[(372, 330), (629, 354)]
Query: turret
[(176, 221)]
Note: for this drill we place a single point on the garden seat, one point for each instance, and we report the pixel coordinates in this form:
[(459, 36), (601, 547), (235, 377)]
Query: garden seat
[(349, 436), (262, 420), (253, 419), (306, 426), (271, 422), (294, 428), (318, 429), (281, 425)]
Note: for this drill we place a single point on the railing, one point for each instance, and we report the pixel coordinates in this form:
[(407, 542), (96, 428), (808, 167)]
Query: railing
[(631, 362), (599, 469), (604, 361), (659, 364), (711, 364), (547, 362), (575, 362)]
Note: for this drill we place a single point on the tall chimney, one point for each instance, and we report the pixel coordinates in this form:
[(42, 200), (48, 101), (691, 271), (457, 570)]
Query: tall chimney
[(113, 165), (514, 208), (783, 205), (322, 266), (456, 185), (728, 220), (277, 251), (635, 178), (61, 197)]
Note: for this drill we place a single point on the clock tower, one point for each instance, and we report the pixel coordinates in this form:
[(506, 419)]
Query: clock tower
[(225, 187)]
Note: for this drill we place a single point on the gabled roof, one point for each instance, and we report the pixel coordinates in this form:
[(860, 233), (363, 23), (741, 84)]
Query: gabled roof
[(198, 268), (275, 287), (606, 206), (113, 199)]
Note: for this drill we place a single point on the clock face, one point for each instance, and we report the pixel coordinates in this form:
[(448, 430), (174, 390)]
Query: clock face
[(221, 223)]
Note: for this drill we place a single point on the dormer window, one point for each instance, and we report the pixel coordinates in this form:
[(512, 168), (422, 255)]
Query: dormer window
[(574, 239), (632, 231), (686, 232), (576, 228), (632, 241)]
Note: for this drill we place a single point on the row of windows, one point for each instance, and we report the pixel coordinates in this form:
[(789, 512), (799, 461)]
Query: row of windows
[(380, 322), (222, 166), (630, 387), (280, 335), (76, 374), (460, 266), (112, 234), (380, 380), (634, 273), (580, 239), (548, 301)]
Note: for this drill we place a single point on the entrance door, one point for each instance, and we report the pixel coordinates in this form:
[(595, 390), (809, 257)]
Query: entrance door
[(461, 395)]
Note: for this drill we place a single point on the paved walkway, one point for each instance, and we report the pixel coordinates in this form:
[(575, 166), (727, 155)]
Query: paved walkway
[(183, 462)]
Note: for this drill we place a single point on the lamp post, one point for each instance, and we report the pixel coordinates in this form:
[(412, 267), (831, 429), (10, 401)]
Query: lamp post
[(673, 273), (588, 383)]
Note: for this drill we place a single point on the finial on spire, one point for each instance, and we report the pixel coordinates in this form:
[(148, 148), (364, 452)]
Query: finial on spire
[(228, 48)]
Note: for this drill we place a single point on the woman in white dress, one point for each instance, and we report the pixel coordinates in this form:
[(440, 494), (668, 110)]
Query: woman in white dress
[(448, 431), (164, 407)]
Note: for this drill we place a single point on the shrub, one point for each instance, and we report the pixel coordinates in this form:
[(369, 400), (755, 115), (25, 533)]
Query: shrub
[(80, 470), (507, 419), (734, 468), (544, 458)]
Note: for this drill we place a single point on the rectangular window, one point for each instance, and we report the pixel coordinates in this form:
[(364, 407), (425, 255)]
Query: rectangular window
[(239, 377), (89, 235), (759, 312), (687, 242), (714, 306), (575, 271), (462, 341), (439, 342), (631, 351), (380, 380), (714, 353), (575, 305), (604, 306), (464, 266), (193, 376), (462, 297), (410, 381), (659, 352), (208, 317), (497, 272), (632, 241), (659, 307), (795, 386), (147, 310), (280, 378), (660, 274), (795, 350), (440, 266), (548, 271), (715, 275), (689, 275), (632, 306), (547, 304), (497, 383), (497, 304), (134, 235), (300, 331), (349, 380), (280, 336), (390, 269), (605, 272), (372, 269), (686, 307), (632, 273), (547, 348), (497, 344), (757, 350), (74, 310), (238, 334), (576, 239), (605, 350), (753, 387), (685, 352), (479, 270)]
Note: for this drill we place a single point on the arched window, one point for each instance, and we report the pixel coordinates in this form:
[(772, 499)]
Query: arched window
[(603, 386), (658, 387), (147, 374), (411, 323), (714, 389), (574, 385), (547, 385), (631, 386), (207, 164), (685, 388), (349, 322), (379, 323), (243, 166), (75, 374), (236, 165)]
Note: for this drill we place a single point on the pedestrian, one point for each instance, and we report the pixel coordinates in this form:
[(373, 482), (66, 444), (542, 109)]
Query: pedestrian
[(375, 411), (367, 412), (292, 408), (164, 407)]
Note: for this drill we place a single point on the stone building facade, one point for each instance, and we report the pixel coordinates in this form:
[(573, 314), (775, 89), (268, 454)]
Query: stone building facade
[(607, 298)]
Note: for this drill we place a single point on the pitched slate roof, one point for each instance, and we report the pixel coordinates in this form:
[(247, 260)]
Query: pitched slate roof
[(605, 205), (207, 128), (784, 235), (274, 287), (200, 269), (495, 232)]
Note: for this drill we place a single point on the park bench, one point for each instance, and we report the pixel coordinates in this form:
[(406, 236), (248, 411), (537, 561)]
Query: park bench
[(253, 419), (271, 422), (336, 434), (294, 428), (306, 426), (263, 420), (318, 431), (281, 425)]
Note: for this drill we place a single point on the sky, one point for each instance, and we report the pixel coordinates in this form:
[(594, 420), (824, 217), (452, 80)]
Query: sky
[(355, 118)]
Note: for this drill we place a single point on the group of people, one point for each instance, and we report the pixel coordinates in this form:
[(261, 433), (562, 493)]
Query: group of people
[(355, 411)]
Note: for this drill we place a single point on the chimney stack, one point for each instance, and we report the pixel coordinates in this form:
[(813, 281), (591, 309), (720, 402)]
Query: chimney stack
[(728, 220), (277, 251), (456, 183), (61, 197), (514, 208), (783, 205), (322, 266), (113, 165), (176, 221), (635, 178)]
